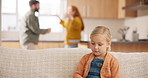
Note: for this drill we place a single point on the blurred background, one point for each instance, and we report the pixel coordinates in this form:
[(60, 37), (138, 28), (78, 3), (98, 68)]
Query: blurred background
[(115, 14)]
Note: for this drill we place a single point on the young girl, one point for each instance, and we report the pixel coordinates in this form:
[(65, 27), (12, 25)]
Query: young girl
[(99, 63), (74, 25)]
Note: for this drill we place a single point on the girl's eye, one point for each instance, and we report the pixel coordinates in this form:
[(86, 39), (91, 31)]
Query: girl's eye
[(93, 43), (100, 44)]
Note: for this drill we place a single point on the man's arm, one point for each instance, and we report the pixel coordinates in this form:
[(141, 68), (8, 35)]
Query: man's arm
[(33, 25)]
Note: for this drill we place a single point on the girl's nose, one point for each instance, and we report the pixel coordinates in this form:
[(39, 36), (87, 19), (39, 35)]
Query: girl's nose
[(96, 46)]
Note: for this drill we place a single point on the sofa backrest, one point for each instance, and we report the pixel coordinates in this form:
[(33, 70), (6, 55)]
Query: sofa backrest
[(133, 65), (47, 63), (62, 62)]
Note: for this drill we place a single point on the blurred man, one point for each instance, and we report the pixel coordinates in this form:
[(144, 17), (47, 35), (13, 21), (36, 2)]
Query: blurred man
[(29, 28)]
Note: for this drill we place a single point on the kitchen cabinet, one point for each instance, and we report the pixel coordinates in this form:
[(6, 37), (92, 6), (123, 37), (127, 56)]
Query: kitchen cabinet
[(108, 8), (130, 47), (120, 46), (80, 4), (123, 13), (41, 44), (50, 44), (103, 8), (84, 44), (11, 44), (96, 8)]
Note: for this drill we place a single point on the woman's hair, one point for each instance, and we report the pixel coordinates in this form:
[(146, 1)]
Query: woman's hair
[(104, 31), (33, 2), (77, 14)]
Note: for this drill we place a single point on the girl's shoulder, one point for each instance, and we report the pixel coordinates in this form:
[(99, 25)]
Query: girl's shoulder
[(111, 57), (86, 57)]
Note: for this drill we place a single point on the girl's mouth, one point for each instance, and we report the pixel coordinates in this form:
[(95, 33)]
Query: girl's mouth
[(96, 51)]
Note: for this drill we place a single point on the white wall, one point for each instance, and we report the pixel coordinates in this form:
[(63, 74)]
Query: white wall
[(142, 12), (90, 24), (141, 23), (14, 35), (113, 24)]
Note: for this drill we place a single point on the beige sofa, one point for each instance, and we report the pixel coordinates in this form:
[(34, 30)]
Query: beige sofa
[(61, 63)]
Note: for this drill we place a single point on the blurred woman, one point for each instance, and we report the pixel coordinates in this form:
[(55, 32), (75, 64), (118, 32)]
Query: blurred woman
[(73, 25)]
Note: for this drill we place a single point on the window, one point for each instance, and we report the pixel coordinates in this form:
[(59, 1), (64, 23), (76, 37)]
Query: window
[(51, 7), (9, 6), (12, 15), (8, 14)]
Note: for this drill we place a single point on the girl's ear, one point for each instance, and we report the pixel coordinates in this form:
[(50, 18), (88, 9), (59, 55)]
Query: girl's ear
[(109, 43)]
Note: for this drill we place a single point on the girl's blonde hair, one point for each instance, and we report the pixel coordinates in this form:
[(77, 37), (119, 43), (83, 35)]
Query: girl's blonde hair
[(103, 30)]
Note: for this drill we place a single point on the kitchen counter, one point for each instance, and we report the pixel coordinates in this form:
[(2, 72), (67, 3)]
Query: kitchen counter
[(39, 40), (143, 42), (117, 46), (120, 46), (43, 44)]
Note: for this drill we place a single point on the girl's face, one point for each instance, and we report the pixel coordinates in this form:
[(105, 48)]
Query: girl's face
[(99, 45)]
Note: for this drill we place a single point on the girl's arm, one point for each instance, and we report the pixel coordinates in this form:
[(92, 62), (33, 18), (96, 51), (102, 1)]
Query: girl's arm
[(115, 69), (80, 69)]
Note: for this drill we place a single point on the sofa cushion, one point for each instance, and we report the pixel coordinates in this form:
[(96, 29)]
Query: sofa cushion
[(62, 62)]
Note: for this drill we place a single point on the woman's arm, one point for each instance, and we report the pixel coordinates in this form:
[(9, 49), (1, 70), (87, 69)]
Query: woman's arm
[(61, 21)]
